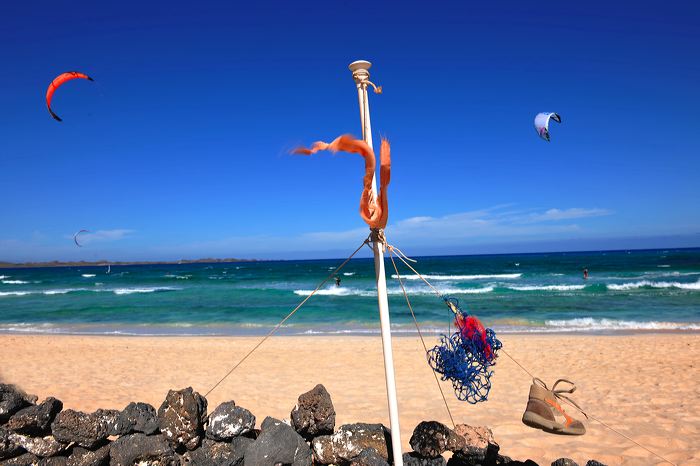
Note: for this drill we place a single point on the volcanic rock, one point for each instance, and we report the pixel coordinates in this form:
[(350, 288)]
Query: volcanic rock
[(154, 450), (8, 447), (12, 399), (414, 459), (349, 441), (83, 457), (35, 420), (368, 457), (138, 417), (109, 418), (564, 462), (277, 443), (431, 439), (39, 446), (228, 421), (314, 413), (26, 459), (181, 417), (212, 453), (87, 430)]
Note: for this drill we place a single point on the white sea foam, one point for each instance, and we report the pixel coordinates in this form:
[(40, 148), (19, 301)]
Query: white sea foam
[(664, 265), (2, 277), (650, 284), (547, 287), (123, 291), (505, 276), (591, 324), (348, 274), (14, 293), (88, 275), (180, 277), (62, 291), (14, 282), (343, 291)]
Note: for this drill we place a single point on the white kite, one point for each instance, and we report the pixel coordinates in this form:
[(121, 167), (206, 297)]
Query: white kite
[(542, 123)]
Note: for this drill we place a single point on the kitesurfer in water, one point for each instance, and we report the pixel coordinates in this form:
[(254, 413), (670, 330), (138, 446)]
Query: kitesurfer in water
[(337, 281), (585, 274)]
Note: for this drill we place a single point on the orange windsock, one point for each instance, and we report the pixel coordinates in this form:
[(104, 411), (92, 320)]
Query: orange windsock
[(375, 212), (57, 82)]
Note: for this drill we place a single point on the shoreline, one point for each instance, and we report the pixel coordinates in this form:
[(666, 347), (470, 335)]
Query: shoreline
[(626, 381)]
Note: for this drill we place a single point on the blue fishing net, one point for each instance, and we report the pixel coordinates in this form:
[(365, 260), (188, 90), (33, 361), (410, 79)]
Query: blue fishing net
[(466, 357)]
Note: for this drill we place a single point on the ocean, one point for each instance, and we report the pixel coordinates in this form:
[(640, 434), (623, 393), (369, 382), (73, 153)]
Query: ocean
[(651, 290)]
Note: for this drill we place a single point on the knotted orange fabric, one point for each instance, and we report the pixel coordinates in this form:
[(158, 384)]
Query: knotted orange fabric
[(375, 212)]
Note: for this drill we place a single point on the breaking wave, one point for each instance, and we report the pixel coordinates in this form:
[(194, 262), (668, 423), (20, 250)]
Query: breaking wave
[(650, 284), (504, 276), (591, 324)]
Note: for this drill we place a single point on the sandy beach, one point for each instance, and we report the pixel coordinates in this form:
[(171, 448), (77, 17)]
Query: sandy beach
[(643, 385)]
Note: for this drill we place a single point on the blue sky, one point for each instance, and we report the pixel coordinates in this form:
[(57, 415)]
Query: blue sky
[(180, 147)]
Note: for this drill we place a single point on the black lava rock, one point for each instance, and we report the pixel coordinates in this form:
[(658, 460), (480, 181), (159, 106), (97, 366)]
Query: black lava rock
[(431, 439), (136, 448), (277, 443), (35, 420), (83, 457), (26, 459), (12, 399), (594, 463), (414, 459), (8, 447), (86, 430), (228, 421), (39, 446), (314, 413), (212, 453), (349, 441), (181, 418), (138, 417), (564, 462), (368, 457)]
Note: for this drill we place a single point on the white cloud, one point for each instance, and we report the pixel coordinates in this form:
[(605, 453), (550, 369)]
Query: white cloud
[(495, 224), (567, 214)]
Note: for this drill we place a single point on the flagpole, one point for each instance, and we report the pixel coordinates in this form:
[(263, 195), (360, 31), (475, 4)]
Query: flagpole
[(360, 73)]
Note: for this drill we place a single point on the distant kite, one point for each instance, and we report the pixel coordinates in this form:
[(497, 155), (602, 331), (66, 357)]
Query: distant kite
[(75, 237), (542, 123), (57, 82)]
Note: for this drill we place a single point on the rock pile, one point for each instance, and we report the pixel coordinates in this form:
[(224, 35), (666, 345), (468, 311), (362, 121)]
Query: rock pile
[(181, 433)]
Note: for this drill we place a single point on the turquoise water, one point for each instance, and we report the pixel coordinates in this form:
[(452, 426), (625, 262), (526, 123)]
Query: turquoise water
[(626, 291)]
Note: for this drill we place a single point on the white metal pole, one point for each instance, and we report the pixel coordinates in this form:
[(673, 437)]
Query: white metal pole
[(360, 74)]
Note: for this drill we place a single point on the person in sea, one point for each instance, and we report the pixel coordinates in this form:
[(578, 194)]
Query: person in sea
[(337, 281), (585, 274)]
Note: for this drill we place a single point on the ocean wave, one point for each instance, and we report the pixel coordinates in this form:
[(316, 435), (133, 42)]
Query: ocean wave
[(348, 274), (547, 287), (663, 265), (14, 282), (2, 277), (14, 293), (88, 275), (123, 291), (589, 323), (505, 276), (343, 291), (117, 291), (179, 277), (650, 284)]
